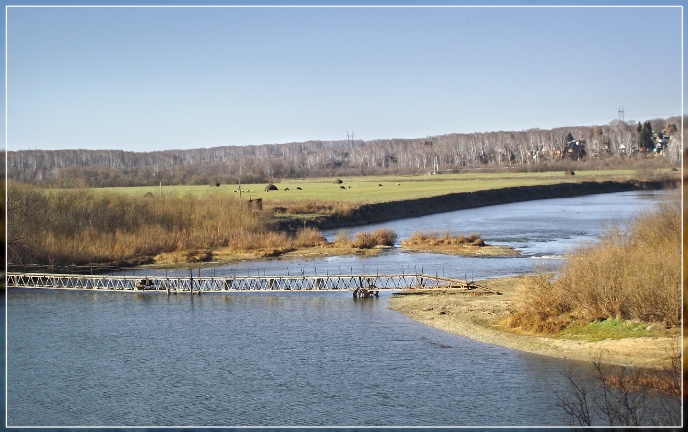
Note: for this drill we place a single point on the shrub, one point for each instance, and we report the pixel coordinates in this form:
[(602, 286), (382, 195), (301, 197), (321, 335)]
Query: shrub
[(384, 236), (364, 240), (379, 237), (343, 239), (309, 237), (633, 274), (445, 239)]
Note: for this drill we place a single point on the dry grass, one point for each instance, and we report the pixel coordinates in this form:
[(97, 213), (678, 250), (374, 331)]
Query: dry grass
[(379, 237), (366, 240), (630, 275), (309, 237), (81, 227), (311, 207), (435, 239)]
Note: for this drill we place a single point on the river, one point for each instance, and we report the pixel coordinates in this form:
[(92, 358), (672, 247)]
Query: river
[(302, 358)]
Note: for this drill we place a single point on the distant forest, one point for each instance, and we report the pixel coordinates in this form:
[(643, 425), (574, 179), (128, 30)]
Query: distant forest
[(533, 149)]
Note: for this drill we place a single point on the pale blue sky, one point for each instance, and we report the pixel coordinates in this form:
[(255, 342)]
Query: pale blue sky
[(161, 78)]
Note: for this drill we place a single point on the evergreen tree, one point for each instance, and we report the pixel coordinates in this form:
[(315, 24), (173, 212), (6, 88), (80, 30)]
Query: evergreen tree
[(646, 136)]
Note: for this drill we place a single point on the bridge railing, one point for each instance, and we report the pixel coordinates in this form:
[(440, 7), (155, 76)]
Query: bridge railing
[(210, 284)]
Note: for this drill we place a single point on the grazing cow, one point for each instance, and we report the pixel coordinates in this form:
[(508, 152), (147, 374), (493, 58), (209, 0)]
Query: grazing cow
[(286, 189), (398, 184), (342, 187), (349, 187), (380, 184), (299, 188)]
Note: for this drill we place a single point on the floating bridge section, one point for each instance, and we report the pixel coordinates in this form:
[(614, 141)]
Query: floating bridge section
[(356, 283)]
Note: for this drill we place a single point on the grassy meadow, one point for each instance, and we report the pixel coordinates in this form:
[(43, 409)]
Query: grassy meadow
[(367, 189)]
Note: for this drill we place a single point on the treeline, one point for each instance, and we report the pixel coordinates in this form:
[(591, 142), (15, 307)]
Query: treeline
[(530, 150)]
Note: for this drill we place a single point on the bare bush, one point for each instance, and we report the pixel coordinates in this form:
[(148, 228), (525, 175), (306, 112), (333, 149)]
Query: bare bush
[(384, 236), (309, 237), (623, 396), (379, 237), (432, 238), (343, 238)]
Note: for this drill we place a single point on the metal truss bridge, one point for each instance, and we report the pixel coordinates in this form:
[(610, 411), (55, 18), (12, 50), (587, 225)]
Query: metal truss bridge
[(361, 284)]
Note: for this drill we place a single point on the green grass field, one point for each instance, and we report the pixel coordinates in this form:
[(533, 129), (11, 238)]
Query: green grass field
[(367, 189)]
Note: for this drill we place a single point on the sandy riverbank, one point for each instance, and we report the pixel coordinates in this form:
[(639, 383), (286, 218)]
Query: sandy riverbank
[(466, 250), (479, 317), (229, 255)]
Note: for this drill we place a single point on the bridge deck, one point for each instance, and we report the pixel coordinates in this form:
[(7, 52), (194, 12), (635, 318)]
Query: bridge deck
[(224, 284)]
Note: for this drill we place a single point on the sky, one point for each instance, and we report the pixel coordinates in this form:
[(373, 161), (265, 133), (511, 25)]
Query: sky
[(144, 79)]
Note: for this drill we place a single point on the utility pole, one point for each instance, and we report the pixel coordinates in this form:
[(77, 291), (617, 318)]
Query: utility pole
[(239, 182), (621, 114)]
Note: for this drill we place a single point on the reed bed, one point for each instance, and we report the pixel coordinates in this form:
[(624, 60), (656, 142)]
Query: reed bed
[(67, 227), (79, 226), (446, 238), (633, 274), (366, 240), (312, 207)]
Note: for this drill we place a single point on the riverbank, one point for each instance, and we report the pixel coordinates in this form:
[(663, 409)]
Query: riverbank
[(79, 227), (223, 256), (481, 318), (394, 210)]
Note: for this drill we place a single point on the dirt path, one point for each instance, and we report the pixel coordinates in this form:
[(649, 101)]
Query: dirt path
[(478, 317)]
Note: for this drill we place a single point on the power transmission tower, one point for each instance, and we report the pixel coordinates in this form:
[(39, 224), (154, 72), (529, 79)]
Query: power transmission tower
[(349, 138)]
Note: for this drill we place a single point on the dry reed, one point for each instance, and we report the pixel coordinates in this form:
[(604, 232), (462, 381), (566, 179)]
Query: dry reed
[(633, 274), (433, 238), (79, 226)]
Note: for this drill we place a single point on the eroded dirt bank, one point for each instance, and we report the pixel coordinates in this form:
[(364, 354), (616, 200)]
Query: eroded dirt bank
[(387, 211), (479, 317)]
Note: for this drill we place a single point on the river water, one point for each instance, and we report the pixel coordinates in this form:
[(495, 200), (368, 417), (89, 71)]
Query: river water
[(301, 358)]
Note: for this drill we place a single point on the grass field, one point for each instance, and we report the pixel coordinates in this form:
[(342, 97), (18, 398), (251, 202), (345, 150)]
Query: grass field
[(367, 189)]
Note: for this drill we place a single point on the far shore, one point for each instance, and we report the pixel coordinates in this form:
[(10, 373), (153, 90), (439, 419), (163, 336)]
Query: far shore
[(394, 210), (480, 318), (383, 212), (388, 211)]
